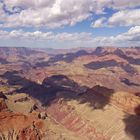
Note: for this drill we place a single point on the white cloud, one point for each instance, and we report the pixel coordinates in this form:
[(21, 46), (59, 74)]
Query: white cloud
[(125, 18), (57, 13), (122, 4), (132, 37), (28, 3), (118, 4), (38, 35), (52, 14), (98, 23), (2, 13), (129, 17)]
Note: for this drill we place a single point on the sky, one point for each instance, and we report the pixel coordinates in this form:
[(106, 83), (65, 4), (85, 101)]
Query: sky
[(69, 23)]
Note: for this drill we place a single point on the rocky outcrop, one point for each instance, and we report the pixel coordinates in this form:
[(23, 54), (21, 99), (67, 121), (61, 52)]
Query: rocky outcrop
[(15, 126), (3, 105), (100, 51), (22, 99), (42, 115), (19, 126), (2, 96), (126, 101)]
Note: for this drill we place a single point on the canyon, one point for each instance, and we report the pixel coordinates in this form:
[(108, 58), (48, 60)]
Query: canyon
[(81, 94)]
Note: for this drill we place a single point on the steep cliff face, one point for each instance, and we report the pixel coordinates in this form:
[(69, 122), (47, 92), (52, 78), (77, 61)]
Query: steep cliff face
[(68, 117), (98, 114)]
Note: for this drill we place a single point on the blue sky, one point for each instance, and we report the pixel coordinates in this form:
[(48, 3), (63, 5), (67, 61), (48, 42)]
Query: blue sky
[(69, 24)]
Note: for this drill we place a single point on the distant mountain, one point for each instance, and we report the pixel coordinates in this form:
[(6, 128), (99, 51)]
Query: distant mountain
[(19, 51)]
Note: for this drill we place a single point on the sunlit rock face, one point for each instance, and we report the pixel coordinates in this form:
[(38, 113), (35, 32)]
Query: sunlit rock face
[(91, 94)]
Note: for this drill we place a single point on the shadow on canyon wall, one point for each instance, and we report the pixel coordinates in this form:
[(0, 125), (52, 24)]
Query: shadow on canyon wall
[(3, 61), (111, 63), (100, 51), (60, 86), (29, 87), (68, 58), (130, 59), (128, 82), (132, 124), (47, 93)]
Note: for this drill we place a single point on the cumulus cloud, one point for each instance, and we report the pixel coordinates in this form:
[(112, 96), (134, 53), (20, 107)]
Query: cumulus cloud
[(123, 4), (28, 3), (98, 23), (56, 13), (120, 18), (50, 13), (59, 13), (132, 37), (125, 18), (38, 35)]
